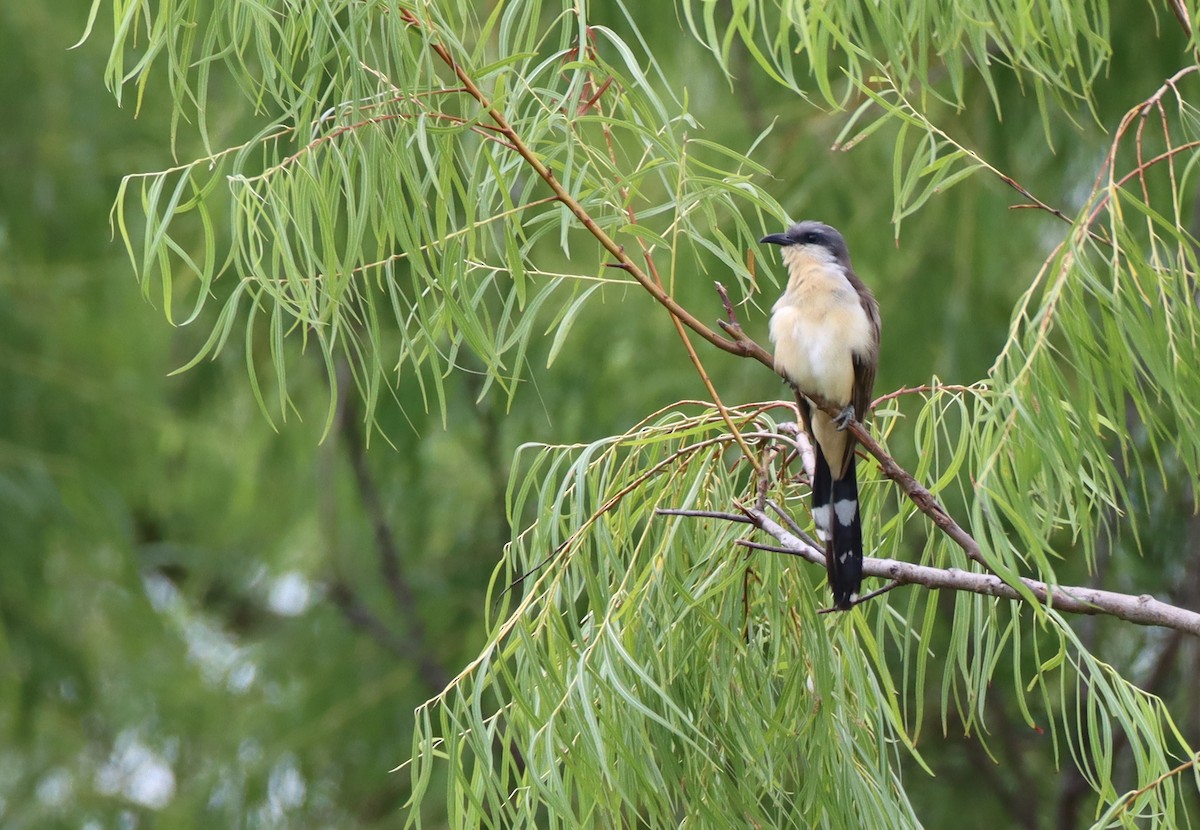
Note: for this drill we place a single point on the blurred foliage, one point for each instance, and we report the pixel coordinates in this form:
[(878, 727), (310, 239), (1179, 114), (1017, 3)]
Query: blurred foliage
[(198, 626)]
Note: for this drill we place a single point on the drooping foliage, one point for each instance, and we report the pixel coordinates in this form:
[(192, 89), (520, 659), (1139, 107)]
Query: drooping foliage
[(431, 189)]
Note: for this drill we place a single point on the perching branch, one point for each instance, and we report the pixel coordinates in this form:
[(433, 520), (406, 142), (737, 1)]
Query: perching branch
[(1142, 610)]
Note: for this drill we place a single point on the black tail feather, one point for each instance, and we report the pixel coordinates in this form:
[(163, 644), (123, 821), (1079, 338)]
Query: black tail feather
[(844, 547), (822, 494)]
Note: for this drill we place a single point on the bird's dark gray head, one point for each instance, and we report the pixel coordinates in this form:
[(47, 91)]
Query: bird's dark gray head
[(810, 232)]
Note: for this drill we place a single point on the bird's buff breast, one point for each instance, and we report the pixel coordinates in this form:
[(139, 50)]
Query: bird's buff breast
[(816, 326)]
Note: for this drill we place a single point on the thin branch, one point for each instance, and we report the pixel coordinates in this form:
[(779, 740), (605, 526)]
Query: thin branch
[(712, 390), (878, 592), (797, 531), (1142, 610), (1180, 10), (1035, 202), (750, 543), (479, 223), (1130, 797), (921, 390), (704, 514), (791, 523), (1146, 165), (730, 314), (478, 129), (1110, 160)]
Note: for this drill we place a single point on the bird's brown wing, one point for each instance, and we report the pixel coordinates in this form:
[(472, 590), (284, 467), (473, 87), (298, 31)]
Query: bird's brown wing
[(864, 364)]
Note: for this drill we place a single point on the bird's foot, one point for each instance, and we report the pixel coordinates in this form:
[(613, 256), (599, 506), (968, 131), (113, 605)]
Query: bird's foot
[(844, 417)]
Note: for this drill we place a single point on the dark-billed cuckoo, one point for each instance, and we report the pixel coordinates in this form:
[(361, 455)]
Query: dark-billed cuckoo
[(825, 329)]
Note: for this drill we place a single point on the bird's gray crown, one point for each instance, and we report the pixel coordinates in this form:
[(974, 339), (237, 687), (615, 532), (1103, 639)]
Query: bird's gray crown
[(811, 232)]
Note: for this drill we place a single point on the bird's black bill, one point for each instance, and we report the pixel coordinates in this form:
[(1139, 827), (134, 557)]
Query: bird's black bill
[(776, 239)]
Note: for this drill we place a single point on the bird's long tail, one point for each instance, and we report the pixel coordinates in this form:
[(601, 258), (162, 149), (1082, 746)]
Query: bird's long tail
[(843, 545)]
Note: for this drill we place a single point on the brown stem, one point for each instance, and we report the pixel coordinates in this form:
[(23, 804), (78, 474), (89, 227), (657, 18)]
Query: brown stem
[(920, 390), (1180, 10)]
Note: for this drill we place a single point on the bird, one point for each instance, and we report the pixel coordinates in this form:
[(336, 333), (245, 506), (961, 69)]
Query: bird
[(825, 330)]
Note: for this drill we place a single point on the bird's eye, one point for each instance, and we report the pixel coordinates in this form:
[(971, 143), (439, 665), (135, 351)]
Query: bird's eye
[(810, 238)]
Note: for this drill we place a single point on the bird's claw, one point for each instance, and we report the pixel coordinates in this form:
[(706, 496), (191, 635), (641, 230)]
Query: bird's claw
[(844, 417)]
